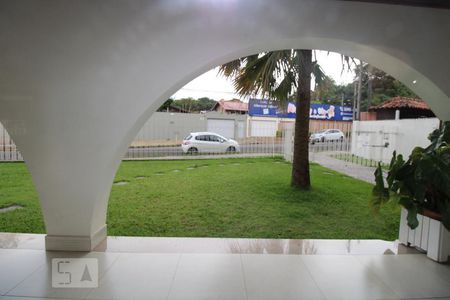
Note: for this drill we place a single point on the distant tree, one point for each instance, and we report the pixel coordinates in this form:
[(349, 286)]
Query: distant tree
[(330, 93), (206, 103), (166, 105), (378, 86), (189, 104)]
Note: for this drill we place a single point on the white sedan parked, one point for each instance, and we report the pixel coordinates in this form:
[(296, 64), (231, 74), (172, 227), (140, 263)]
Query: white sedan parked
[(327, 135), (208, 142)]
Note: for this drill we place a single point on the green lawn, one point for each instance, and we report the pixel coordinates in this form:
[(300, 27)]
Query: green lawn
[(218, 198)]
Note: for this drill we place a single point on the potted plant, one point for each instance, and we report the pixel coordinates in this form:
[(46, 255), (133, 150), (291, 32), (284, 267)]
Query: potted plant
[(422, 186)]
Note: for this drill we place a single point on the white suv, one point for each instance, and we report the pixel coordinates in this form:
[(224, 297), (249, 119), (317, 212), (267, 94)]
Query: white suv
[(327, 135), (208, 142)]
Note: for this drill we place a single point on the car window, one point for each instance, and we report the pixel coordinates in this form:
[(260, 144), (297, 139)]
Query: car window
[(200, 138), (188, 138), (214, 138)]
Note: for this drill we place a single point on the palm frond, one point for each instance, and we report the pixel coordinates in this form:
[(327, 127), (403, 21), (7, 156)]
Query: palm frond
[(318, 73), (231, 68)]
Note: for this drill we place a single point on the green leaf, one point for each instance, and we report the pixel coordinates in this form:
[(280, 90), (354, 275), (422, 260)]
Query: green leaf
[(412, 217), (393, 159), (406, 202), (380, 194), (409, 205), (396, 165), (417, 153)]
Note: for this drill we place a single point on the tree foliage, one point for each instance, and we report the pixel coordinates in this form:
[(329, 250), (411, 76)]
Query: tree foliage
[(273, 75), (189, 104), (383, 87)]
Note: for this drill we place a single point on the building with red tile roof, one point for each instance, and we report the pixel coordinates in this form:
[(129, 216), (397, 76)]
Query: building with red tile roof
[(233, 106), (409, 108)]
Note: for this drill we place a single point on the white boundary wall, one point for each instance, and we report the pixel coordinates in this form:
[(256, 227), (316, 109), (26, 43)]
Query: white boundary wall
[(164, 127), (377, 140)]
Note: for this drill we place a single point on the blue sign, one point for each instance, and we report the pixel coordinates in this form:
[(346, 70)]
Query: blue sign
[(263, 108), (267, 108)]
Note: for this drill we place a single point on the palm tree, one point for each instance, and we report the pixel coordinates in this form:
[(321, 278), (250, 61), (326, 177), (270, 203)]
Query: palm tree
[(278, 75)]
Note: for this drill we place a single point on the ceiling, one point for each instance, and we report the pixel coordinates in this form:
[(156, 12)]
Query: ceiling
[(422, 3)]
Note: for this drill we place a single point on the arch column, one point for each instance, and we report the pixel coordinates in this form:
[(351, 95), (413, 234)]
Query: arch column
[(78, 79)]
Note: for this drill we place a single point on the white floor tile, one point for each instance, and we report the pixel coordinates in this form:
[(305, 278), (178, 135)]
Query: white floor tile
[(344, 277), (16, 265), (26, 274), (24, 298), (138, 276), (208, 276), (278, 277), (39, 283), (440, 298), (411, 276)]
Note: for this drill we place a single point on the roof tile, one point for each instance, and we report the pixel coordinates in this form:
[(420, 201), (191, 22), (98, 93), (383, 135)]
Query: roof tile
[(402, 102), (234, 104)]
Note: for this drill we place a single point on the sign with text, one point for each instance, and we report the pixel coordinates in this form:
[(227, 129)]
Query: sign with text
[(74, 272), (267, 108)]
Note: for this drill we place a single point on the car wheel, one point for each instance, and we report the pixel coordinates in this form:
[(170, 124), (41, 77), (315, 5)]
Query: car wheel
[(192, 150), (231, 149)]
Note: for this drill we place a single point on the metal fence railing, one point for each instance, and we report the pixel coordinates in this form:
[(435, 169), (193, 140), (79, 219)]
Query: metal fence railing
[(251, 146), (355, 159), (269, 142), (8, 149), (339, 140)]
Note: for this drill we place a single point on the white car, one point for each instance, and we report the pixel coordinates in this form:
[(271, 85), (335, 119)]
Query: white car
[(208, 142), (327, 135)]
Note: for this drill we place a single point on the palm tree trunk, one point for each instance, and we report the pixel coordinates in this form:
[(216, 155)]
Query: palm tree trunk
[(300, 162)]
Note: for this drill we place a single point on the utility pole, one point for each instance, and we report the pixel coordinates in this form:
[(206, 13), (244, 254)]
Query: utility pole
[(369, 86), (354, 99), (358, 99)]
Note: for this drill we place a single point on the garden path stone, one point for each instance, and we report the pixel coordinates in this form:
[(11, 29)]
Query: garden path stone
[(10, 208), (121, 182)]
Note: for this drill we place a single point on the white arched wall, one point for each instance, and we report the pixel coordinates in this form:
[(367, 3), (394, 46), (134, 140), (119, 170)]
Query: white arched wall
[(79, 78)]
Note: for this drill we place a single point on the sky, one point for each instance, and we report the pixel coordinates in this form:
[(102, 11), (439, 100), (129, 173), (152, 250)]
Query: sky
[(216, 87)]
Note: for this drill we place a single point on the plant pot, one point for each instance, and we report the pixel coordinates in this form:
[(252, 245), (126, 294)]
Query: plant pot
[(430, 236), (431, 214)]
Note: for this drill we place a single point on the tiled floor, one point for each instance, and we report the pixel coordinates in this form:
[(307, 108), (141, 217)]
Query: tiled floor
[(219, 274)]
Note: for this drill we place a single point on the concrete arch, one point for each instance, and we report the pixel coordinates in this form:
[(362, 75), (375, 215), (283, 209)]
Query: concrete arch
[(78, 79)]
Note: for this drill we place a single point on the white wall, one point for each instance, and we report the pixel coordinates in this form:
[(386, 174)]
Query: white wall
[(163, 126), (288, 142), (370, 137), (263, 127), (78, 79)]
